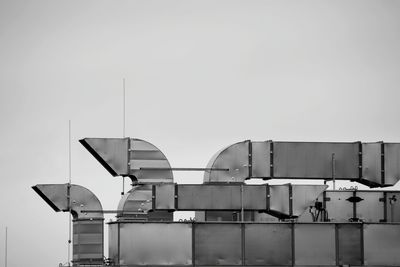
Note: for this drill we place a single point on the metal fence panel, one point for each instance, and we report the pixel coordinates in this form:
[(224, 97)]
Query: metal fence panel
[(381, 244), (268, 244), (155, 244), (349, 244), (314, 160), (260, 160), (218, 244), (315, 244)]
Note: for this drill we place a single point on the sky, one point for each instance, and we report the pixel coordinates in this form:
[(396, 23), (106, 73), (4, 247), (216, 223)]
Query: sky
[(200, 75)]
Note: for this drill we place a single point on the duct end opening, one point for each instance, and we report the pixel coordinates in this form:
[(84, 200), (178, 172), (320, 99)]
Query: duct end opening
[(45, 198), (97, 156)]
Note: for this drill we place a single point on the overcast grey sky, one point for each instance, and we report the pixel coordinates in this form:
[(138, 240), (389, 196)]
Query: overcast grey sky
[(200, 75)]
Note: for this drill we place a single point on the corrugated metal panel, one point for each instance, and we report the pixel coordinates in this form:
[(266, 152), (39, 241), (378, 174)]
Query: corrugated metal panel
[(268, 244), (260, 159), (218, 244), (315, 244), (392, 163), (235, 158), (155, 244), (381, 244), (314, 160), (349, 244)]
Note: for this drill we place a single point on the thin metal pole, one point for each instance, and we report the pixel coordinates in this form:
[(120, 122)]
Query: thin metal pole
[(123, 108), (123, 128), (333, 171), (5, 257), (241, 204), (69, 193)]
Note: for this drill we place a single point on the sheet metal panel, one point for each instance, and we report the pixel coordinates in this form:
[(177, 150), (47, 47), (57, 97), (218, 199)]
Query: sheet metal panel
[(349, 244), (392, 163), (371, 208), (113, 242), (268, 244), (339, 209), (315, 244), (314, 160), (255, 197), (195, 197), (143, 154), (279, 198), (155, 244), (235, 158), (88, 240), (164, 196), (260, 159), (371, 162), (393, 206), (218, 244), (304, 196), (381, 244)]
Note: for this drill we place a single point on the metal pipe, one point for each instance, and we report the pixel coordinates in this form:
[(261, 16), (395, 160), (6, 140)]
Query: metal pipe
[(183, 169), (241, 204), (333, 171)]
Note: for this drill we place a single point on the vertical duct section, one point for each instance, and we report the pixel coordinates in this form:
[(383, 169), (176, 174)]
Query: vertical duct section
[(87, 215)]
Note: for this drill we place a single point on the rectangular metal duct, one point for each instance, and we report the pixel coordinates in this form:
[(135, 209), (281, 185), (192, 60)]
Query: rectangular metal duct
[(279, 200)]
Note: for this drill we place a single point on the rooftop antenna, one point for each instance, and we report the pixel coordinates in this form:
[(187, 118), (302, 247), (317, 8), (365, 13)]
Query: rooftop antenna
[(123, 128), (68, 193), (5, 257)]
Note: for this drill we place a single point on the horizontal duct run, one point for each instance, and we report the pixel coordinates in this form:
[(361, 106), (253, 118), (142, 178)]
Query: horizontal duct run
[(282, 201), (372, 164), (135, 158), (88, 233), (254, 244)]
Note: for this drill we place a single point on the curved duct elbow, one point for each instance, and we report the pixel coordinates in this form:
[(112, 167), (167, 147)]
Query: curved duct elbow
[(88, 229), (65, 197), (137, 205), (138, 159), (230, 164)]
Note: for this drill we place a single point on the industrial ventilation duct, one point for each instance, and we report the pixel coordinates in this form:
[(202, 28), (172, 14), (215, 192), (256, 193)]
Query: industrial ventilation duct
[(87, 215), (140, 160), (372, 164)]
